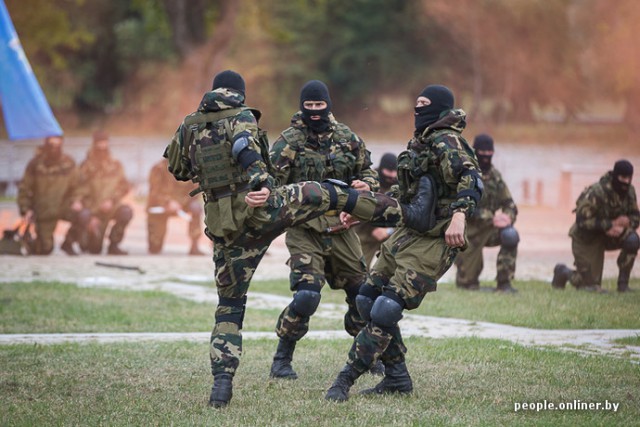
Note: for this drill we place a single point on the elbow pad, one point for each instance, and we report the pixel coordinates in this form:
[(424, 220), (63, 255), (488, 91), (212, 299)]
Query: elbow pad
[(241, 151), (478, 188)]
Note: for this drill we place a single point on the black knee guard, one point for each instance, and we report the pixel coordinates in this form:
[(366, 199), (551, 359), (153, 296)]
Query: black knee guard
[(631, 243), (509, 238), (387, 310), (238, 306), (365, 299), (305, 302)]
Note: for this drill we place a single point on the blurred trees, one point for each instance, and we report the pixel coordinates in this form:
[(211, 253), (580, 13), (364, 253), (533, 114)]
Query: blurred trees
[(506, 60)]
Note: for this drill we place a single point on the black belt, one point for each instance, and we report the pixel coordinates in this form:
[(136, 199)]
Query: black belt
[(226, 191)]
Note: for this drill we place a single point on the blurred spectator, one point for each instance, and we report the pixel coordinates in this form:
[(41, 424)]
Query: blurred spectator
[(169, 198)]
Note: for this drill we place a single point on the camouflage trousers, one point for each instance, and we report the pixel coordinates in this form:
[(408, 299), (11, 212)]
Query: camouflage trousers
[(157, 226), (43, 243), (409, 266), (237, 255), (470, 263), (588, 253), (93, 239), (316, 257), (370, 246)]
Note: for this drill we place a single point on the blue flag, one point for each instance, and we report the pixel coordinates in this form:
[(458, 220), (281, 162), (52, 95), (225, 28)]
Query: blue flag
[(26, 111)]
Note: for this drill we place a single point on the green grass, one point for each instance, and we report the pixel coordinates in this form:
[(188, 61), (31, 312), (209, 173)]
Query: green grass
[(49, 307), (466, 381), (629, 341), (456, 382)]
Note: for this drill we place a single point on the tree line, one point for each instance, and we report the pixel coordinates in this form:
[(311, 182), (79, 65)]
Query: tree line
[(507, 59)]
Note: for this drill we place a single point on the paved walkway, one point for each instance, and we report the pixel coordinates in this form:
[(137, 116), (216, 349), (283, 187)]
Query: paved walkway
[(543, 243)]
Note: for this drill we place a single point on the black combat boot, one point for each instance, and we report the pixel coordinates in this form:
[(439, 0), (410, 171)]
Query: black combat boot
[(561, 273), (222, 390), (67, 247), (115, 250), (396, 380), (339, 391), (506, 288), (377, 369), (623, 280), (420, 214), (281, 367)]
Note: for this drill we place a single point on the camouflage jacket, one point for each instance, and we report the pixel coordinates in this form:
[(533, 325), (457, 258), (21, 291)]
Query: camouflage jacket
[(223, 215), (599, 205), (48, 189), (163, 187), (103, 178), (496, 196), (299, 154), (441, 151)]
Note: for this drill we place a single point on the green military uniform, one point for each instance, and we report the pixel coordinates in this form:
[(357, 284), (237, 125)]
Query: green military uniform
[(298, 155), (48, 188), (205, 149), (596, 208), (103, 178), (410, 263), (370, 245), (482, 233), (163, 188)]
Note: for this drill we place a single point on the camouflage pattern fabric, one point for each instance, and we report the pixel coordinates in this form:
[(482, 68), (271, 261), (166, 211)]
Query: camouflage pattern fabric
[(241, 235), (411, 263), (103, 179), (300, 154), (370, 245), (47, 188), (482, 233), (596, 208), (163, 188), (237, 255)]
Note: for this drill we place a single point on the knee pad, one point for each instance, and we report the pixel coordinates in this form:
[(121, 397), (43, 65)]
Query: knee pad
[(631, 243), (509, 238), (386, 312), (305, 302), (124, 214), (365, 300), (235, 313)]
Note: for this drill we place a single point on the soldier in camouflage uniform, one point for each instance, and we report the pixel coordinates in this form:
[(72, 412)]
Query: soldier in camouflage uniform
[(411, 262), (491, 225), (104, 185), (167, 198), (371, 237), (48, 192), (222, 149), (316, 147), (606, 219)]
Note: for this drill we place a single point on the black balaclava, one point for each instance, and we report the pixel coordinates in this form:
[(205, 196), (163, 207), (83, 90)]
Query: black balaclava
[(483, 142), (441, 100), (390, 162), (621, 168), (315, 90), (229, 79)]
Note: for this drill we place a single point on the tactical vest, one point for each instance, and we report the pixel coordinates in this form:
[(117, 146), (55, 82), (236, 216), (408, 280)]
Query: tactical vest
[(217, 174), (409, 170), (313, 165)]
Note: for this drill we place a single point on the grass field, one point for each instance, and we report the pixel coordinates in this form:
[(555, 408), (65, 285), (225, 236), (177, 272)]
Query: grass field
[(465, 381)]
